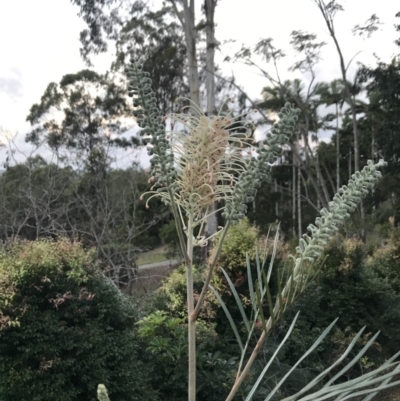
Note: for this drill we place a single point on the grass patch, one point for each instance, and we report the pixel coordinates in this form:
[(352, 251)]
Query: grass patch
[(154, 256)]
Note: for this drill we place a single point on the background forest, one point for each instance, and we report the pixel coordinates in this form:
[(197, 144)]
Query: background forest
[(69, 187)]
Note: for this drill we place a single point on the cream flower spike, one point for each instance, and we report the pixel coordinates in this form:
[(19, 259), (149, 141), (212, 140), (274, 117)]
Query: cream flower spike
[(208, 154)]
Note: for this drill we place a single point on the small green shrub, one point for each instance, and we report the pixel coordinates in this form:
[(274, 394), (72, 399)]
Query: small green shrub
[(239, 240), (64, 329)]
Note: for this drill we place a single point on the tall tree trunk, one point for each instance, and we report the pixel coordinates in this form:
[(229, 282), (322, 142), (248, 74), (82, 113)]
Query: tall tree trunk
[(328, 17), (276, 201), (210, 58), (373, 143), (311, 176), (337, 151), (318, 183), (322, 179), (212, 223), (349, 164), (299, 202), (310, 159), (315, 161), (188, 24), (328, 175), (294, 199), (318, 200)]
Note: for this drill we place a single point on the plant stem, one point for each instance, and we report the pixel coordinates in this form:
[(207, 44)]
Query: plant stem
[(243, 374), (190, 307), (178, 226), (210, 272)]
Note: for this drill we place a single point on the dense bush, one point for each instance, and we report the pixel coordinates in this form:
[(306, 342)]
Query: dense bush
[(166, 339), (359, 285), (64, 329)]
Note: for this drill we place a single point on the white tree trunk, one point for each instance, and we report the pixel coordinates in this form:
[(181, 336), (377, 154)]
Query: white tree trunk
[(299, 202), (337, 151), (190, 38), (210, 58), (212, 223), (294, 199)]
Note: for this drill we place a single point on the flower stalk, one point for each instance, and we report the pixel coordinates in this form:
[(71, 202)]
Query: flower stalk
[(209, 160)]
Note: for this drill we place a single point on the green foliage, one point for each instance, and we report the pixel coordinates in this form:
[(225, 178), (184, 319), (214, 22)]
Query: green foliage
[(359, 286), (64, 328), (240, 239), (166, 339), (174, 287), (169, 236)]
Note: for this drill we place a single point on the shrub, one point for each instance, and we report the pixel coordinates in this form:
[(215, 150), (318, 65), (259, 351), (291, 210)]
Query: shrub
[(239, 240), (64, 328), (166, 340), (359, 288)]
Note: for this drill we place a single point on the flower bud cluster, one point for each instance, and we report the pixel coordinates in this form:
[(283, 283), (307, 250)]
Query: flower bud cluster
[(207, 155), (146, 112), (102, 393), (345, 202), (258, 167)]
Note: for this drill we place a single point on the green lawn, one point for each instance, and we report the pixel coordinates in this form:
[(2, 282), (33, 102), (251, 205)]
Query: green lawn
[(153, 256)]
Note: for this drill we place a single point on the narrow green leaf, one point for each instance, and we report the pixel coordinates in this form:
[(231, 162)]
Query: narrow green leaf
[(375, 390), (386, 381), (269, 299), (326, 371), (264, 371), (291, 288), (346, 389), (353, 361), (250, 282), (228, 315), (273, 253), (259, 279), (279, 295), (308, 352), (237, 298), (260, 308)]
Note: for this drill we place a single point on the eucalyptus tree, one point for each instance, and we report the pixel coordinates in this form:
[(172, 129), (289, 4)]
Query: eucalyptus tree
[(134, 27), (170, 32), (85, 113)]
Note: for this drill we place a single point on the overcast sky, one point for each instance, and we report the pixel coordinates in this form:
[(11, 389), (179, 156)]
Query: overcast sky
[(40, 43)]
